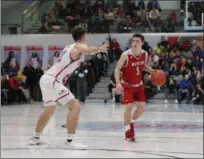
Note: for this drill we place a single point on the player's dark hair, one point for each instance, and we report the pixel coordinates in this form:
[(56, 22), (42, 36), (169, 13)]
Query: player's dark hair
[(139, 36), (78, 32)]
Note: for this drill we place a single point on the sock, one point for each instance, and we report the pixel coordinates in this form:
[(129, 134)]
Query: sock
[(127, 127), (36, 135), (70, 137), (133, 121)]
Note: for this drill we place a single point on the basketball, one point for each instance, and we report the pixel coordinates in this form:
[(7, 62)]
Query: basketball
[(158, 78)]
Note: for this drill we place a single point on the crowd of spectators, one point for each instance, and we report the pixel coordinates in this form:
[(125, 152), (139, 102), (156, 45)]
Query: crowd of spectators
[(101, 16)]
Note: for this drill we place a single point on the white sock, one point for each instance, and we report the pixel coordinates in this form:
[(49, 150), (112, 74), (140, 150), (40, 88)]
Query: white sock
[(70, 137), (133, 121), (36, 135), (127, 127)]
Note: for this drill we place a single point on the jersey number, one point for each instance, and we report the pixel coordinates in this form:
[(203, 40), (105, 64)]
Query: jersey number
[(137, 71)]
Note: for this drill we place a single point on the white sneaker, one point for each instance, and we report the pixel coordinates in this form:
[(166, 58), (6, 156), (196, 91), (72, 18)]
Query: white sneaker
[(176, 101), (165, 101), (35, 141), (75, 145)]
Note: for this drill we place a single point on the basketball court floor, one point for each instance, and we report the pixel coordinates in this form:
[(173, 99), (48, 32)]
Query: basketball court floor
[(163, 131)]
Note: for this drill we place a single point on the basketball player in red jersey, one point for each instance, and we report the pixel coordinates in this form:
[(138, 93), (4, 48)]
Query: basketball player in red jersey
[(53, 89), (132, 63)]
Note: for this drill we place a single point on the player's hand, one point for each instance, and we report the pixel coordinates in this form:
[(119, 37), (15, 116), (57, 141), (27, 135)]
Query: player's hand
[(104, 47), (119, 87)]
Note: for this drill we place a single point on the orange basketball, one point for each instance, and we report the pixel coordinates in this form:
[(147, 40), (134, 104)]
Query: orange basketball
[(158, 78)]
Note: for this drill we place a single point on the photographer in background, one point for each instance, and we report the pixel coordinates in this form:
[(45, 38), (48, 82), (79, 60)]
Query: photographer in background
[(81, 74)]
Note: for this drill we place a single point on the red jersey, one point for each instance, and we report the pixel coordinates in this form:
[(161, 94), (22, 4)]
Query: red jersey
[(132, 71)]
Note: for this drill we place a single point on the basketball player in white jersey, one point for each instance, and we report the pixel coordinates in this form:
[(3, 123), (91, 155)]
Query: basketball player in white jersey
[(53, 90)]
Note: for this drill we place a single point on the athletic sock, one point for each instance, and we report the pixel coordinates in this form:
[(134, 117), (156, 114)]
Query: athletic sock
[(36, 135), (133, 121), (70, 137), (127, 127)]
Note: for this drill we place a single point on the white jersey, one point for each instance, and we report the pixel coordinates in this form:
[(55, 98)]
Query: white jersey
[(64, 65)]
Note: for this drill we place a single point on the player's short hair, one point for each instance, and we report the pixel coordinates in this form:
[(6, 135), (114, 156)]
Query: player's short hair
[(78, 32), (139, 36)]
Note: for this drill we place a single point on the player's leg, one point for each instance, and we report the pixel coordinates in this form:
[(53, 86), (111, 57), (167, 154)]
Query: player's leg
[(127, 101), (73, 106), (140, 98), (139, 111), (49, 95), (41, 123)]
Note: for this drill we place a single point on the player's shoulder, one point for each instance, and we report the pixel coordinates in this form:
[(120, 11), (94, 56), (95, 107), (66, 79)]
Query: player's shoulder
[(144, 52), (79, 45), (127, 52)]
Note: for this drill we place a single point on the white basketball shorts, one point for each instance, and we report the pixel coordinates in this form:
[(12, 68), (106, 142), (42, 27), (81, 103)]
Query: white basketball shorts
[(54, 91)]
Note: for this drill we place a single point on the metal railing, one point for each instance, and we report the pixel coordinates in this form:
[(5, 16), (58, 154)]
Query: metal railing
[(31, 15)]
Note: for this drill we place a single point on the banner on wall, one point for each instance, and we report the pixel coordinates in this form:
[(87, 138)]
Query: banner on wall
[(35, 55), (12, 54), (54, 52)]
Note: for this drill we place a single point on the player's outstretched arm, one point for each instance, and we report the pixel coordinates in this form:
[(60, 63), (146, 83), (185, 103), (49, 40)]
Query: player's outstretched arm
[(84, 49), (120, 64)]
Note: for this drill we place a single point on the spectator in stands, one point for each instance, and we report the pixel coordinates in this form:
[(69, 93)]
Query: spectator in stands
[(198, 94), (90, 76), (116, 48), (141, 4), (12, 69), (112, 87), (15, 89), (197, 63), (194, 74), (182, 4), (54, 58), (35, 60), (51, 17), (127, 26), (109, 16), (193, 22), (11, 60), (155, 4), (81, 74), (4, 89), (149, 5), (171, 87), (86, 13), (181, 18), (37, 96), (150, 90), (59, 9), (99, 5), (83, 24), (29, 73), (185, 87), (44, 28), (199, 52), (170, 24), (119, 11), (154, 16)]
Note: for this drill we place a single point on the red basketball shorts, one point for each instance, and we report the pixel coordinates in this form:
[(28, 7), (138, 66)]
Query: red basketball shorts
[(132, 94)]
